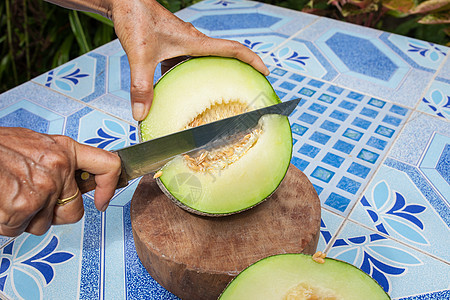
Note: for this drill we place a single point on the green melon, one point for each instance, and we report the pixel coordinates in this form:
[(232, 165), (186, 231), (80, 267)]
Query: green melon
[(299, 277), (237, 176)]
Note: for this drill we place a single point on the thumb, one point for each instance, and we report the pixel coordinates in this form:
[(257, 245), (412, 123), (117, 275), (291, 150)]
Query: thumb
[(141, 89)]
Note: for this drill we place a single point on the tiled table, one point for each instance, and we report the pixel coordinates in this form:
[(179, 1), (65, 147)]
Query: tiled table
[(372, 133)]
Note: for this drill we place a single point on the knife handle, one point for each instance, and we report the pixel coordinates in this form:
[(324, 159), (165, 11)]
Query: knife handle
[(86, 180)]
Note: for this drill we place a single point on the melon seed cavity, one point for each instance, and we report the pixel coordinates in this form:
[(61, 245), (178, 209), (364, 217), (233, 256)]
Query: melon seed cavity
[(305, 291), (220, 158)]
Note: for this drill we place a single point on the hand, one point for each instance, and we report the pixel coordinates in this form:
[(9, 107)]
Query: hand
[(150, 34), (38, 169)]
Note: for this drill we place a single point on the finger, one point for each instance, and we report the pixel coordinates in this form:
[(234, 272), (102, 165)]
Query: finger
[(141, 88), (6, 230), (227, 48), (72, 211), (41, 222), (106, 167)]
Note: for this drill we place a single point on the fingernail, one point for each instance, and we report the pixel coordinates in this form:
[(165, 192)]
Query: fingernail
[(105, 206), (138, 111)]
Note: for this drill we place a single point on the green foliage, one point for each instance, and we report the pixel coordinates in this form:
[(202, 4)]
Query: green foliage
[(36, 36)]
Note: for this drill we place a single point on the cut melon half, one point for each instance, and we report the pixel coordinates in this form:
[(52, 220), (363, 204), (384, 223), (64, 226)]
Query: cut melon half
[(300, 277), (234, 177)]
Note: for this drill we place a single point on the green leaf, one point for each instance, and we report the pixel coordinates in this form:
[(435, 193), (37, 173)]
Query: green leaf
[(400, 6), (103, 35), (99, 18), (63, 53), (78, 31), (431, 6), (436, 18)]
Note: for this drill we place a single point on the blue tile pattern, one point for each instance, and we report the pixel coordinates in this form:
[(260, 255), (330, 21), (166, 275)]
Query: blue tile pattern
[(372, 133), (235, 21), (340, 144)]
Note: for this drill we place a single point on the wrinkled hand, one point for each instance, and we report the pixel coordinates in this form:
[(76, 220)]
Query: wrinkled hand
[(38, 169), (150, 34)]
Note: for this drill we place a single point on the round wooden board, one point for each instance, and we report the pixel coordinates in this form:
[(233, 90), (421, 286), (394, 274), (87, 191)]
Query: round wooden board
[(195, 257)]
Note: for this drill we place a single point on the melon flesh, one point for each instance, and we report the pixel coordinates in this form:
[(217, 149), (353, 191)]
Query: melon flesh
[(236, 176), (299, 277)]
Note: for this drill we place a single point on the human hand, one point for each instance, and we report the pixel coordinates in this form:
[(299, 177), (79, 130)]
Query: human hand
[(38, 169), (150, 34)]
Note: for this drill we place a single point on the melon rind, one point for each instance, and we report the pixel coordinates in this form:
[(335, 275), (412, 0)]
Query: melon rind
[(272, 277), (179, 96)]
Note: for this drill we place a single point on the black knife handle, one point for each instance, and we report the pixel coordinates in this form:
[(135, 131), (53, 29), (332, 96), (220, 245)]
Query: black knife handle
[(86, 180)]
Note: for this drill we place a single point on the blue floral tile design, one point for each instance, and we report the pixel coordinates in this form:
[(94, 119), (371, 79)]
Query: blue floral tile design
[(32, 267), (419, 54), (437, 100), (82, 79), (224, 4), (302, 57), (103, 131), (399, 203), (390, 263)]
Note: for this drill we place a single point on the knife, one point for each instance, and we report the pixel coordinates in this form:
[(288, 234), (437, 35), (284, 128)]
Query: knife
[(150, 156)]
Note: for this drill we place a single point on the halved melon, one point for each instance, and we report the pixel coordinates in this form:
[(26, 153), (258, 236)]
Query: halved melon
[(299, 277), (234, 177)]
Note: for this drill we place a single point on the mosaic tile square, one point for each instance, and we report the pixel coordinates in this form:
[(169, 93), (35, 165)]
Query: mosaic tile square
[(337, 145), (415, 136), (402, 271), (400, 203)]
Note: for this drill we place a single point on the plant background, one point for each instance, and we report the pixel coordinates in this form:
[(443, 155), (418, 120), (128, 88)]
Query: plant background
[(36, 36)]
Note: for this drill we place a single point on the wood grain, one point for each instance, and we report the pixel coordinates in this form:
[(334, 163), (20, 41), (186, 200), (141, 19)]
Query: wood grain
[(195, 257)]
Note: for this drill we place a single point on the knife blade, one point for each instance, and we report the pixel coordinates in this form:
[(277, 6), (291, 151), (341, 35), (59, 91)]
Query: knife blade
[(150, 156)]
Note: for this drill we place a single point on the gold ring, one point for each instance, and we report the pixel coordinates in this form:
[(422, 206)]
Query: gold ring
[(67, 200)]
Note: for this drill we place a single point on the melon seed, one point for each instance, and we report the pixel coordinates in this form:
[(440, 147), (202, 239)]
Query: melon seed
[(157, 174)]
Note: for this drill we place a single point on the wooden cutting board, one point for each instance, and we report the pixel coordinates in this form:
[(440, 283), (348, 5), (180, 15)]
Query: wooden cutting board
[(195, 257)]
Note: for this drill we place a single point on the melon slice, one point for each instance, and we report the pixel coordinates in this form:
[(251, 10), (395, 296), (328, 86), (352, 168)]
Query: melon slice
[(234, 177), (299, 277)]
